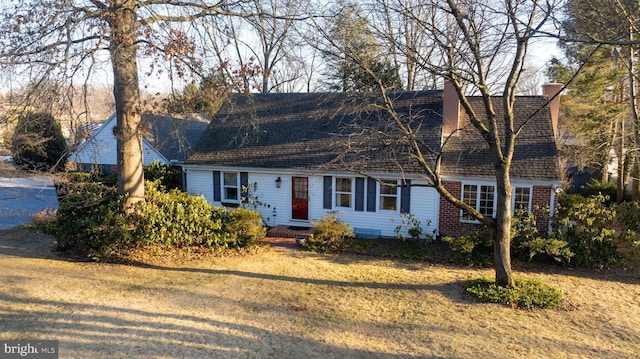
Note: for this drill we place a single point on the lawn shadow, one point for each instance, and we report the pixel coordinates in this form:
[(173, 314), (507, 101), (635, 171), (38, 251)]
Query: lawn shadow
[(615, 274), (101, 331), (451, 290)]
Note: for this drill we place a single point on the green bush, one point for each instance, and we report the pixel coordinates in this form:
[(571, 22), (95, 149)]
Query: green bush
[(473, 249), (587, 228), (90, 222), (413, 227), (605, 188), (169, 177), (527, 293), (244, 227), (176, 220), (528, 243), (38, 143), (628, 215), (330, 234)]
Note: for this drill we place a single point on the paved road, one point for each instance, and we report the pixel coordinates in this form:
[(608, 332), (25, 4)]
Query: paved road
[(22, 197)]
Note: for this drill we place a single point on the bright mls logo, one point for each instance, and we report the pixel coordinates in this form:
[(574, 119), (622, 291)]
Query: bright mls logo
[(32, 349)]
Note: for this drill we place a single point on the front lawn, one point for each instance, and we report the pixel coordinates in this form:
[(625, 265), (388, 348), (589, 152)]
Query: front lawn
[(294, 303)]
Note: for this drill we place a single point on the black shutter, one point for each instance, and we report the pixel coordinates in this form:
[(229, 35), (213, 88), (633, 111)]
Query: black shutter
[(326, 202), (371, 195), (216, 187), (244, 186), (360, 194), (405, 197)]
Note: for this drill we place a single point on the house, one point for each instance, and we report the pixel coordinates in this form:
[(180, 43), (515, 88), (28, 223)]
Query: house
[(306, 154), (166, 139)]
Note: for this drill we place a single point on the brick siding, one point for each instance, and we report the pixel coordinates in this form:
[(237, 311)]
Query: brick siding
[(449, 223)]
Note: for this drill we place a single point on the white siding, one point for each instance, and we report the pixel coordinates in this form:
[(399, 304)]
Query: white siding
[(424, 206), (200, 183), (101, 148), (271, 200)]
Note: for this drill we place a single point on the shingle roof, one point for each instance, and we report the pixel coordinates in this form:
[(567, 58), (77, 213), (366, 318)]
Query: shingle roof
[(308, 131), (347, 131), (535, 154), (174, 137)]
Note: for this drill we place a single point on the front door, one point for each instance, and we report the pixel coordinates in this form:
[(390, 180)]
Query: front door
[(300, 198)]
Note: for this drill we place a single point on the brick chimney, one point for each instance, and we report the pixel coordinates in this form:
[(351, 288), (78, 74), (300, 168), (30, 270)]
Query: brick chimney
[(549, 90), (450, 109)]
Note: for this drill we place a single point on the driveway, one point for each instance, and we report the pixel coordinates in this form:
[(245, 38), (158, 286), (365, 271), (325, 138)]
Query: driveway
[(22, 197)]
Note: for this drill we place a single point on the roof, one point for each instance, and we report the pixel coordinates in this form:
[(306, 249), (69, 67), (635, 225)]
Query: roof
[(174, 136), (307, 131), (535, 154), (350, 131)]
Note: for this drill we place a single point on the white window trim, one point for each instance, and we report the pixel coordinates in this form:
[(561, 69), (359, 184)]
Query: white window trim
[(224, 187), (351, 193), (380, 195), (478, 185), (513, 197), (495, 200)]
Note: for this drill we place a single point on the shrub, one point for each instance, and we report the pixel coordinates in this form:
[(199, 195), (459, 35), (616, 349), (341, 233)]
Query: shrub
[(413, 227), (330, 234), (176, 220), (527, 293), (628, 215), (244, 227), (587, 229), (90, 222), (38, 143), (605, 188), (168, 176), (473, 249), (527, 243)]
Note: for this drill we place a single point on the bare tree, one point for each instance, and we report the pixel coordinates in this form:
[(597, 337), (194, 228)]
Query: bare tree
[(480, 48), (50, 38), (404, 38), (259, 47)]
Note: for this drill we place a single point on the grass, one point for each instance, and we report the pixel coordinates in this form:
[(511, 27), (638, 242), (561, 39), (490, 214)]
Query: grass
[(299, 304)]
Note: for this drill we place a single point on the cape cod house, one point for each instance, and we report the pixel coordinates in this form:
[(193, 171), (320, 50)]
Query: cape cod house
[(305, 154), (167, 139)]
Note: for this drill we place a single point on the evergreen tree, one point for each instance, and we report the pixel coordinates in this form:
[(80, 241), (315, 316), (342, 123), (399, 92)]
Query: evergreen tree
[(38, 143), (355, 60)]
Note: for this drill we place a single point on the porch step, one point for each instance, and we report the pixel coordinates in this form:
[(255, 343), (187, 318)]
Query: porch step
[(285, 231)]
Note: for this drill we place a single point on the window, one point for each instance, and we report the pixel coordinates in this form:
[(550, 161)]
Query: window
[(230, 186), (522, 198), (482, 198), (486, 200), (389, 195), (344, 192), (470, 197)]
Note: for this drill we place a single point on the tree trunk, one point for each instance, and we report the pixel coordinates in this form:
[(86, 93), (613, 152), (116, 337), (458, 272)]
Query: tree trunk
[(127, 98), (501, 230), (633, 99), (621, 162)]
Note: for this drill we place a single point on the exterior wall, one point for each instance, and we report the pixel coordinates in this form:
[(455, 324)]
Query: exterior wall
[(449, 221), (424, 207), (275, 204), (200, 183), (451, 225), (540, 202), (101, 148)]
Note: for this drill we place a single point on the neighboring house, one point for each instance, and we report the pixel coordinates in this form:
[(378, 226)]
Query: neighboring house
[(168, 140), (306, 154)]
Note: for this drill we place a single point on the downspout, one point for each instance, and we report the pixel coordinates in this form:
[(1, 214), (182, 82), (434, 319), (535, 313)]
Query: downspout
[(555, 189)]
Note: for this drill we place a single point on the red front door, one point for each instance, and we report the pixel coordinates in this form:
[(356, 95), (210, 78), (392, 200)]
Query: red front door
[(300, 198)]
